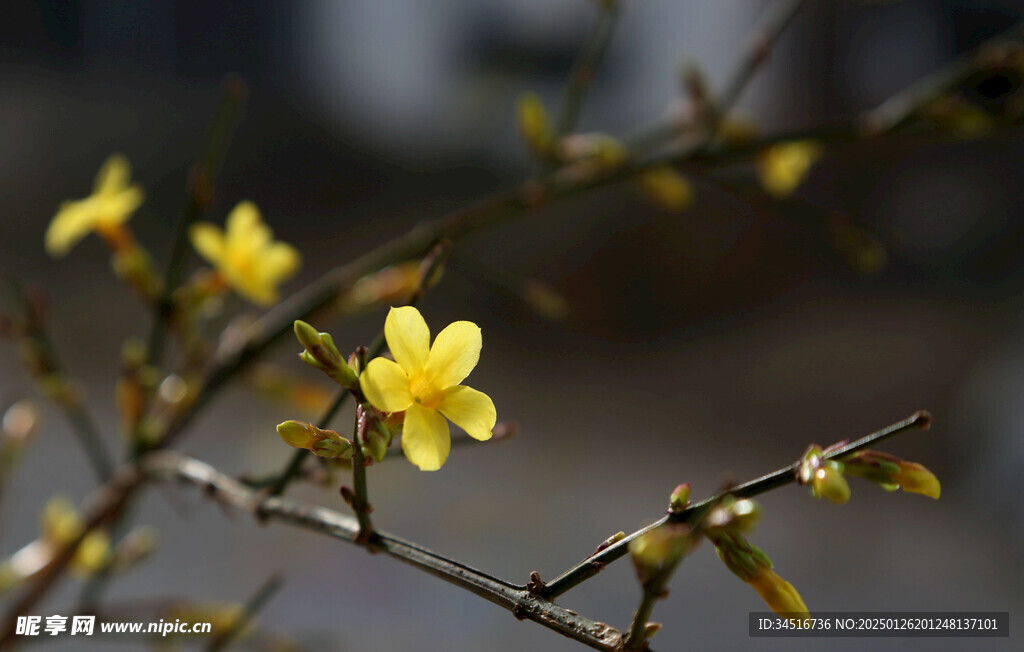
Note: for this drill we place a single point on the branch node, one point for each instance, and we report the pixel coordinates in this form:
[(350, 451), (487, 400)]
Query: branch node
[(536, 584)]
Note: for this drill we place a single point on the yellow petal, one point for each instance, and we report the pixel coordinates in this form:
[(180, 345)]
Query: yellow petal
[(915, 478), (470, 410), (208, 240), (117, 208), (251, 287), (243, 218), (425, 438), (454, 354), (408, 338), (386, 385), (72, 222), (279, 261), (113, 175)]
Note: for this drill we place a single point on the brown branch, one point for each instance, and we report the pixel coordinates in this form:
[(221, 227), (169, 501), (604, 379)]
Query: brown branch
[(517, 599)]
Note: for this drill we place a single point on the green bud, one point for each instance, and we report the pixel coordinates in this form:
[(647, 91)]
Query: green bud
[(344, 375), (534, 125), (732, 515), (613, 539), (307, 335), (297, 434), (680, 498), (333, 446), (829, 483), (376, 445), (759, 556), (740, 556), (319, 441), (656, 552), (310, 360), (321, 353), (650, 629)]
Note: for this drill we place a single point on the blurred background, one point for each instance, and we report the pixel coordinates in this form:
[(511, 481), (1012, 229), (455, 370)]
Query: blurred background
[(704, 346)]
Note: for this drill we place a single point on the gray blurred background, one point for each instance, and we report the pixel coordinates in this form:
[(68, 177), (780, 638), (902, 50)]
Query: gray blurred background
[(702, 347)]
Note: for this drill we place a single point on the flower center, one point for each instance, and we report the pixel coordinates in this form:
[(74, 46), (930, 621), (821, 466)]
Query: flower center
[(424, 392)]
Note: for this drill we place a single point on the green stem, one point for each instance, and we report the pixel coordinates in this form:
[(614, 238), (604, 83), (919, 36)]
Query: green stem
[(635, 639), (361, 500)]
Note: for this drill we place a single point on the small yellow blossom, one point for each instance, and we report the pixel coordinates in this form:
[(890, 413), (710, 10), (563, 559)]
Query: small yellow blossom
[(111, 203), (246, 255), (423, 381), (783, 167)]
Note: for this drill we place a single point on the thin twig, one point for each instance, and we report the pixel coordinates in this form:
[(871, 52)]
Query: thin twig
[(201, 182), (51, 380), (252, 607), (595, 563), (760, 42), (584, 66)]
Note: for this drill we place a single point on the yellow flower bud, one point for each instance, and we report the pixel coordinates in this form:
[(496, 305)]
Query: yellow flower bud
[(778, 594), (828, 482), (534, 124), (93, 555), (320, 442), (915, 478), (783, 167), (892, 473), (666, 187)]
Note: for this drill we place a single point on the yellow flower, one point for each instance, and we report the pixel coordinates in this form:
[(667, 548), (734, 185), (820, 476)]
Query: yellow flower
[(424, 383), (111, 203), (246, 255), (783, 167)]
